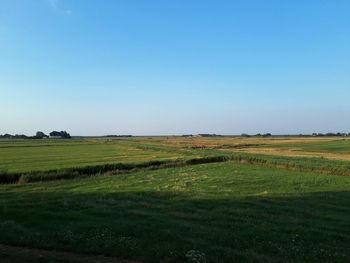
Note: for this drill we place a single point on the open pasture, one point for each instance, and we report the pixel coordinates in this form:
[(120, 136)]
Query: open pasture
[(41, 155)]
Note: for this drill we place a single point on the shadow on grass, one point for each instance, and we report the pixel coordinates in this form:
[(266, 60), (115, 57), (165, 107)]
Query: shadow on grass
[(162, 227)]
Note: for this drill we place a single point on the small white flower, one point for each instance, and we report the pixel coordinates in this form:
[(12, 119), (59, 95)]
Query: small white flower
[(195, 256)]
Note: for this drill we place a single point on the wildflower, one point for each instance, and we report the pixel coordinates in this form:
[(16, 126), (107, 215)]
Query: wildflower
[(195, 256)]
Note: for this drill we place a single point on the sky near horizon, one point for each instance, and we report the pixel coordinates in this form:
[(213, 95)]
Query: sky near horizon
[(174, 66)]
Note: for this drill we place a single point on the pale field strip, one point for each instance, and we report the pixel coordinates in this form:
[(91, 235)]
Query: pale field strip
[(216, 142), (219, 141), (292, 152)]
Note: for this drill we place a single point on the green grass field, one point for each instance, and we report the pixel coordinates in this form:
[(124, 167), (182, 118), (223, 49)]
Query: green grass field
[(258, 209), (29, 155), (42, 155)]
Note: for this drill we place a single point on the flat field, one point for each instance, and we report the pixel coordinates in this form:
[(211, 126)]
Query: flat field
[(40, 155), (246, 207)]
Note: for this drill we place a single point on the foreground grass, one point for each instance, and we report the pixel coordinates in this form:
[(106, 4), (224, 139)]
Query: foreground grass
[(11, 254), (226, 211)]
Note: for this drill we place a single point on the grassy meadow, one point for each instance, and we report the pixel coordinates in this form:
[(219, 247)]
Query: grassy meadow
[(185, 205), (41, 155)]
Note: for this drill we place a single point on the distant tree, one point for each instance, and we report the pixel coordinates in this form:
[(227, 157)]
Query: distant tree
[(65, 135), (7, 136), (55, 134), (113, 135), (62, 134), (40, 135)]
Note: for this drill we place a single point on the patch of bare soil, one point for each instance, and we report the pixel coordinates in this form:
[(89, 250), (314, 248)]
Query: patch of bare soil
[(29, 255)]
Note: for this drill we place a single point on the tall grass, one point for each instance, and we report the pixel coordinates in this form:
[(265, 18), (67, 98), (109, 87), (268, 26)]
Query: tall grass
[(8, 178), (86, 171)]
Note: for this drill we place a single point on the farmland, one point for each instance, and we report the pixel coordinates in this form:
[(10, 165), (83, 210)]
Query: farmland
[(278, 199), (28, 155)]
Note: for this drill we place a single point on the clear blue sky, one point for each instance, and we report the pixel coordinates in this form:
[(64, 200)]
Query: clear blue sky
[(174, 66)]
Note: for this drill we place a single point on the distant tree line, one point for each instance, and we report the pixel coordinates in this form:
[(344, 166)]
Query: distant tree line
[(256, 135), (38, 135), (202, 135), (209, 135), (329, 134), (113, 135)]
